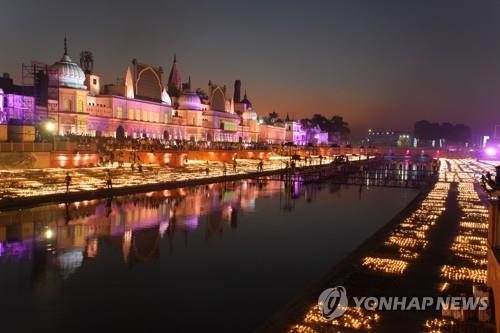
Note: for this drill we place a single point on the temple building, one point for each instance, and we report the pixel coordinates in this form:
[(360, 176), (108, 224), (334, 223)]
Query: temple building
[(75, 99), (295, 133), (17, 104)]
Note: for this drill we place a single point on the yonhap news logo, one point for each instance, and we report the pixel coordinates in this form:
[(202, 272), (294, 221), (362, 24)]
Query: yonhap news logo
[(333, 302)]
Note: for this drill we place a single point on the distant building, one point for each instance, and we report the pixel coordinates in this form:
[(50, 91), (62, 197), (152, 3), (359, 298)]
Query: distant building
[(388, 138), (295, 133), (298, 135), (317, 136)]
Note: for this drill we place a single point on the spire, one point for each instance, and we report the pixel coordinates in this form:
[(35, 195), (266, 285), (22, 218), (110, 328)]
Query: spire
[(231, 106), (65, 46), (245, 100), (129, 84), (174, 83), (189, 82)]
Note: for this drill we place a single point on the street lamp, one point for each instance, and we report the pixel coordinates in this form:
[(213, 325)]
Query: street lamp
[(50, 126)]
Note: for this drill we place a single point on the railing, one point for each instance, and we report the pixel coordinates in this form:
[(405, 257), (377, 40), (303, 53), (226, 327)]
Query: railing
[(19, 147), (37, 147)]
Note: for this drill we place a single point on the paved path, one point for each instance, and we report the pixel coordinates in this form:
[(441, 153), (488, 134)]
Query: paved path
[(30, 187), (435, 247)]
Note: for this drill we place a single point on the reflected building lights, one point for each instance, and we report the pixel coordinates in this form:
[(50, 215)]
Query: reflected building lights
[(409, 238)]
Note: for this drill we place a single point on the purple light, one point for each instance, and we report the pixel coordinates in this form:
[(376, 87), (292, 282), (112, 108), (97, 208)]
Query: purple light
[(190, 223), (490, 151)]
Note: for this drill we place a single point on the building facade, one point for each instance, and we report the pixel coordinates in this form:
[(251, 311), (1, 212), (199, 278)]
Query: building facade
[(140, 105), (389, 138)]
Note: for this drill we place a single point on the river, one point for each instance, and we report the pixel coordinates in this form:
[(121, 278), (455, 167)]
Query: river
[(222, 257)]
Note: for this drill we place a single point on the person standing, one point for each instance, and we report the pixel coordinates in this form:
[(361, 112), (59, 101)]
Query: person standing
[(121, 158), (109, 183), (234, 166), (68, 181)]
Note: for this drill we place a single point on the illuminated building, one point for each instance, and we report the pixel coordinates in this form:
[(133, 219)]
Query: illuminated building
[(295, 133), (271, 134), (388, 138), (140, 105), (15, 104)]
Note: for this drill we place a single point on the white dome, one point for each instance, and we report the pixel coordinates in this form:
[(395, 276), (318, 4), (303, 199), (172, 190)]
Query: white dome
[(189, 100), (165, 98), (66, 73), (249, 114)]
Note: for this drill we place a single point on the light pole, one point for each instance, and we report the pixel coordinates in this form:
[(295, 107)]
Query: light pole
[(49, 127)]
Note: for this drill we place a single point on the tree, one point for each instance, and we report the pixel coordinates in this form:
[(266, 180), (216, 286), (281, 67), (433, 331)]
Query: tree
[(451, 134), (421, 130), (202, 94), (463, 133), (321, 121), (338, 125), (306, 123), (274, 117)]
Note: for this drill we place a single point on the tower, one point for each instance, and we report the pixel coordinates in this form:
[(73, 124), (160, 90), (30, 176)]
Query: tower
[(174, 84), (237, 91)]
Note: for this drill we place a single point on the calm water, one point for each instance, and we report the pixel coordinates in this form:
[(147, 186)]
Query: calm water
[(211, 258)]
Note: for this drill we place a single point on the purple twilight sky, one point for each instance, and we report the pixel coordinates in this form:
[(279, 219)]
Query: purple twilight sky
[(380, 64)]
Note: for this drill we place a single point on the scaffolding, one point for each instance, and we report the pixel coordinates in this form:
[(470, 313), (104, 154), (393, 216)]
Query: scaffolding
[(38, 81)]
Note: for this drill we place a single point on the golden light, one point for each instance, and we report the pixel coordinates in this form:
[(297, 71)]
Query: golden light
[(50, 126), (49, 234), (409, 238)]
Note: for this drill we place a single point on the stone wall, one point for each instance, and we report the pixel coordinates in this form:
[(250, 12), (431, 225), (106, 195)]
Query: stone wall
[(20, 160)]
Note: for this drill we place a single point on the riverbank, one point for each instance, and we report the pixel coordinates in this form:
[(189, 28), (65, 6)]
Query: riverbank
[(429, 249), (89, 183), (283, 320), (9, 203)]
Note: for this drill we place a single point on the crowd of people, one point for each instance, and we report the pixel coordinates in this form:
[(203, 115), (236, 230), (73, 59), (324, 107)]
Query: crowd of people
[(86, 142), (112, 152)]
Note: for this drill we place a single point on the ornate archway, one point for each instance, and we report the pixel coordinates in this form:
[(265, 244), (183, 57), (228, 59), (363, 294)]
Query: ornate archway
[(217, 100), (148, 83), (120, 133)]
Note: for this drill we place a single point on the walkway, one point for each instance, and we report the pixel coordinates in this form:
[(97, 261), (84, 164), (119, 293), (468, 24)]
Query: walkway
[(436, 247), (34, 186)]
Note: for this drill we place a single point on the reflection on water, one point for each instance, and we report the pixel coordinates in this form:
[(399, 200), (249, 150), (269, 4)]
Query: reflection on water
[(68, 232), (251, 243)]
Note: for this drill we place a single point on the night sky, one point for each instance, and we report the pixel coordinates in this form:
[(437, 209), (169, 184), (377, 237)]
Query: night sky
[(380, 64)]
